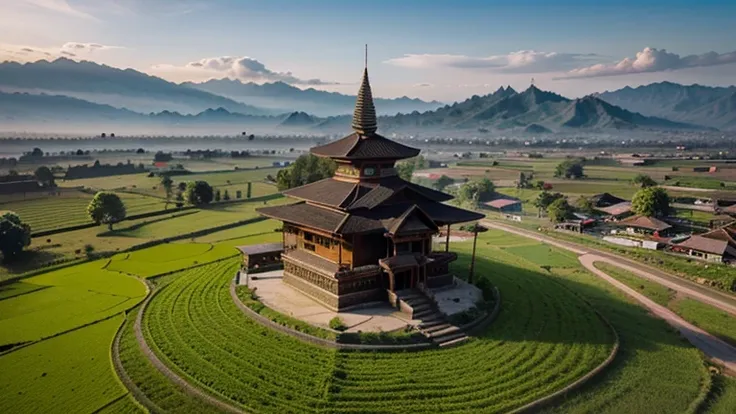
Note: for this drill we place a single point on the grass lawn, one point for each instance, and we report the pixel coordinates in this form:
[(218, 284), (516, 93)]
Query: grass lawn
[(711, 319), (654, 291), (724, 400), (544, 255), (70, 373)]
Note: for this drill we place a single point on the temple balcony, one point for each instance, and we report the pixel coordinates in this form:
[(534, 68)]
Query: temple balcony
[(442, 257)]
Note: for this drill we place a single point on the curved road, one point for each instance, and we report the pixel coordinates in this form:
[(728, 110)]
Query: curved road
[(719, 351)]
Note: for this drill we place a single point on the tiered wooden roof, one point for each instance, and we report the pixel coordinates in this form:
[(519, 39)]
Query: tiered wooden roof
[(387, 204)]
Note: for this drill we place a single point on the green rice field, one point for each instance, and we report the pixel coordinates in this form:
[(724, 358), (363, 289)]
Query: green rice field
[(65, 299), (70, 209), (70, 373), (525, 353)]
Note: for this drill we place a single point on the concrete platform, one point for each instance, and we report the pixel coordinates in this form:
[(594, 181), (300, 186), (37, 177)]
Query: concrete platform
[(283, 298), (457, 298)]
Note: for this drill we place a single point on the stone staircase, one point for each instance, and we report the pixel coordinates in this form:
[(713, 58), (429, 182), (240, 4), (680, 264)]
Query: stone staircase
[(433, 324)]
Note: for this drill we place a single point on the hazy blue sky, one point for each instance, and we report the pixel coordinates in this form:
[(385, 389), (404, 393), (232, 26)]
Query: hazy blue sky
[(446, 50)]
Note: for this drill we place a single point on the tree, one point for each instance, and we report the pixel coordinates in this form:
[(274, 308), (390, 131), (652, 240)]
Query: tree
[(405, 170), (523, 181), (651, 201), (140, 151), (37, 152), (443, 182), (238, 194), (44, 175), (306, 169), (182, 186), (14, 236), (472, 192), (584, 205), (199, 193), (570, 169), (544, 199), (218, 195), (539, 185), (226, 196), (106, 208), (643, 181), (161, 156), (168, 184), (248, 190), (559, 210), (179, 199)]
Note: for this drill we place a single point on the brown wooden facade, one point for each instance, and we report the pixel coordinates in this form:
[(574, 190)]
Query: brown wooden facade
[(365, 232)]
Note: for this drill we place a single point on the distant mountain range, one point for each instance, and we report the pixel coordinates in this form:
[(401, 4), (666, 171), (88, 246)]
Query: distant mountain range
[(281, 97), (103, 84), (533, 111), (703, 105), (79, 92)]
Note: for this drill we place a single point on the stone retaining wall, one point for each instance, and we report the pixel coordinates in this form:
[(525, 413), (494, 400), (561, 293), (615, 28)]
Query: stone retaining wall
[(316, 340)]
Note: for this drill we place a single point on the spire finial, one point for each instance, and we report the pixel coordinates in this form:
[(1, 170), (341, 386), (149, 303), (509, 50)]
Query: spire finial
[(364, 117)]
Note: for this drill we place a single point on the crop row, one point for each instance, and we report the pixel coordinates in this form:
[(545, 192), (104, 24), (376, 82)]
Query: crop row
[(544, 338)]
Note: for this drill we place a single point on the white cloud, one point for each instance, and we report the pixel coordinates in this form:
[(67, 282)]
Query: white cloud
[(242, 68), (653, 60), (523, 61), (76, 47), (423, 85), (25, 53), (60, 6)]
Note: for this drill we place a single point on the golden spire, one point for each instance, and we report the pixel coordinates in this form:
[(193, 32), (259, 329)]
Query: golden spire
[(364, 117)]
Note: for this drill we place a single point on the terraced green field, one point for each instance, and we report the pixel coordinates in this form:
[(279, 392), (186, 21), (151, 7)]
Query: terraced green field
[(166, 258), (544, 338), (70, 298), (655, 371), (70, 209), (70, 373)]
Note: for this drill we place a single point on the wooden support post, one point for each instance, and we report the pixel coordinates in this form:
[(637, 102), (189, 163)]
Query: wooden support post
[(447, 239), (391, 280), (472, 261)]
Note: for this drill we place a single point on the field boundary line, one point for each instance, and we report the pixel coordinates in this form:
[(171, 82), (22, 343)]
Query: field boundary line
[(186, 387), (76, 328), (26, 293), (139, 396), (534, 406)]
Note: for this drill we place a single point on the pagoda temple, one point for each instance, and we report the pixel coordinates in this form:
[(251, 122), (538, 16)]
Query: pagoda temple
[(365, 233)]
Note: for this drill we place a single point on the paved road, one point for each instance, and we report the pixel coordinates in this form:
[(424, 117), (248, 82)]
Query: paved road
[(716, 349), (719, 351), (720, 300)]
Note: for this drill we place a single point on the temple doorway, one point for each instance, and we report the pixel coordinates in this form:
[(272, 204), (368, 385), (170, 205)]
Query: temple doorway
[(404, 280)]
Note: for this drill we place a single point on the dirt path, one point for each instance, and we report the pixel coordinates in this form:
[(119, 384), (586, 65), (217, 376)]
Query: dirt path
[(720, 300), (721, 352)]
